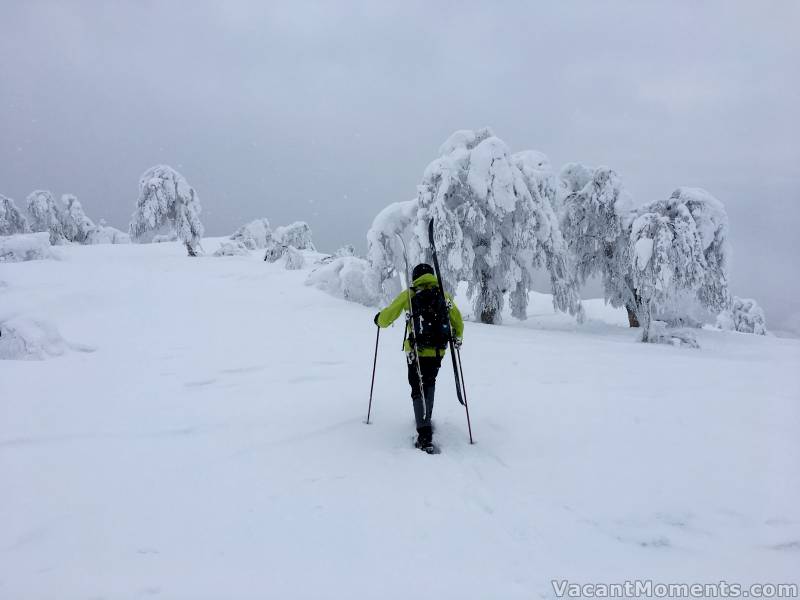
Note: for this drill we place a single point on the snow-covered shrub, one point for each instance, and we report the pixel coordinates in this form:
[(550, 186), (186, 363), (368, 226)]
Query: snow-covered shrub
[(231, 249), (274, 250), (294, 259), (347, 277), (254, 235), (711, 223), (384, 252), (75, 224), (594, 222), (167, 200), (678, 246), (26, 339), (25, 246), (347, 250), (47, 215), (297, 234), (105, 234), (490, 230), (744, 315), (660, 333), (11, 218)]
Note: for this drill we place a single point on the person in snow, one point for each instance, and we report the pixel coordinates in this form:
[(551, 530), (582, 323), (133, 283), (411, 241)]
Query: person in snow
[(425, 296)]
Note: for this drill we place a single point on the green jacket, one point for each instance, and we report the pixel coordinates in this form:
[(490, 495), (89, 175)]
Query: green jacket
[(389, 314)]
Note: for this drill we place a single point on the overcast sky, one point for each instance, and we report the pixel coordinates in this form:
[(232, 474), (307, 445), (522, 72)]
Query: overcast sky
[(328, 111)]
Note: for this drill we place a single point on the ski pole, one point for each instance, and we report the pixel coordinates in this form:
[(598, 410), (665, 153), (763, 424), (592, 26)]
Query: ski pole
[(374, 364), (464, 388)]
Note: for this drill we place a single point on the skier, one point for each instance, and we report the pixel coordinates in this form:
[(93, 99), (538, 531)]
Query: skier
[(426, 341)]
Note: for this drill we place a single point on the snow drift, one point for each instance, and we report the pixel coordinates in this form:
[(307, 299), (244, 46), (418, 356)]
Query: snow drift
[(25, 246), (27, 339)]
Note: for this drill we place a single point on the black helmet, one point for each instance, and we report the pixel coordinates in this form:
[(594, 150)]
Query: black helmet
[(420, 270)]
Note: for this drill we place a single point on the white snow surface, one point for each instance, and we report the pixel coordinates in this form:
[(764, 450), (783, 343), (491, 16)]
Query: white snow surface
[(214, 445)]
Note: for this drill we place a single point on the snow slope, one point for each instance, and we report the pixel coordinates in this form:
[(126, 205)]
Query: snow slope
[(213, 446)]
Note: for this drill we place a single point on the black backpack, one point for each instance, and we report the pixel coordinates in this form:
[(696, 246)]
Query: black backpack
[(431, 318)]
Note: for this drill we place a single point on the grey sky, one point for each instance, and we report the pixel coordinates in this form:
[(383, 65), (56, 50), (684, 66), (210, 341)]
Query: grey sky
[(328, 111)]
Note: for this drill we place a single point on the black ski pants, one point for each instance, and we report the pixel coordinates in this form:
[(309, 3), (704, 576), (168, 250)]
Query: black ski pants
[(429, 367)]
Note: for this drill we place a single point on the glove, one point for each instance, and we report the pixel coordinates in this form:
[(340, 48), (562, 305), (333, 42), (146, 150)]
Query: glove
[(376, 318), (457, 343)]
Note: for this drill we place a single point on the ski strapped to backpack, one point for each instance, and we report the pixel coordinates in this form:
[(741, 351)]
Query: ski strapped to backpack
[(412, 337), (455, 354)]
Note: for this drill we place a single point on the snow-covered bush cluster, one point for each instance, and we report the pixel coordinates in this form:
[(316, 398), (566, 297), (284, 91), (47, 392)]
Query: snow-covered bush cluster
[(744, 315), (25, 246), (257, 235), (167, 202), (347, 277), (283, 241), (64, 221)]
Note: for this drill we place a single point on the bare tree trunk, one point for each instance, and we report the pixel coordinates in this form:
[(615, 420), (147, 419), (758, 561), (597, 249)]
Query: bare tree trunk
[(190, 249), (488, 315), (633, 320)]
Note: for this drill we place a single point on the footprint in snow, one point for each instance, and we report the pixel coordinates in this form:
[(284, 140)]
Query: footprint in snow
[(199, 383)]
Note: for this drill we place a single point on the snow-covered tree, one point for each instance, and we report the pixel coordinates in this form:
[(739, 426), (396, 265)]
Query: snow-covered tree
[(595, 222), (679, 246), (711, 222), (11, 218), (384, 251), (297, 234), (47, 215), (75, 224), (167, 199), (254, 235), (490, 231)]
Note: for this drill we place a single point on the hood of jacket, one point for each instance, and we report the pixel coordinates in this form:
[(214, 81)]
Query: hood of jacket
[(427, 280)]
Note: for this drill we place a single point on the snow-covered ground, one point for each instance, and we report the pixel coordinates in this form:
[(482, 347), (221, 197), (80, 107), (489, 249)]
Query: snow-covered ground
[(201, 435)]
